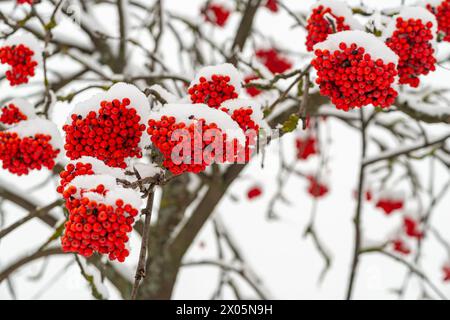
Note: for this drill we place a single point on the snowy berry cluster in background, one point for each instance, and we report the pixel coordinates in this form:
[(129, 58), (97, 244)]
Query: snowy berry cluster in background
[(143, 126)]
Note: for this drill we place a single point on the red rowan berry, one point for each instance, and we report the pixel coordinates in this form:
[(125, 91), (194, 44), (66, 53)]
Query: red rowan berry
[(389, 205), (252, 91), (212, 92), (254, 192), (400, 246), (216, 14), (112, 134), (352, 79), (20, 58), (412, 42), (272, 5), (306, 147), (319, 27), (20, 155), (316, 188), (442, 13), (11, 114), (273, 60)]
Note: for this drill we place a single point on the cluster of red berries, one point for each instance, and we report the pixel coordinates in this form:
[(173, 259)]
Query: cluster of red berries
[(71, 171), (319, 27), (272, 5), (213, 92), (20, 155), (351, 78), (216, 14), (306, 147), (25, 1), (111, 135), (446, 271), (11, 114), (400, 246), (254, 192), (243, 117), (251, 90), (273, 60), (411, 41), (442, 13), (389, 205), (20, 58), (316, 188), (96, 227), (411, 228), (193, 141)]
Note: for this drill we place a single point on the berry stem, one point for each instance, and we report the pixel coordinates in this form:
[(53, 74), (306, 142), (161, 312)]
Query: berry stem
[(357, 218), (141, 268)]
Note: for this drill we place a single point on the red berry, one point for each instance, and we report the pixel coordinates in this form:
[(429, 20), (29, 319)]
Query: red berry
[(411, 41), (273, 60), (216, 14), (11, 114), (112, 134), (20, 155), (254, 192), (389, 205), (316, 188), (306, 147), (442, 13), (352, 79), (319, 27), (20, 58)]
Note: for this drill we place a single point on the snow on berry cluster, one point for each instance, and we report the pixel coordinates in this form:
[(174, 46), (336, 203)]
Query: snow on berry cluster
[(30, 145), (216, 13), (109, 126), (389, 202), (15, 111), (441, 9), (273, 60), (327, 17), (217, 127), (411, 35), (355, 69), (192, 136), (101, 213), (214, 91), (23, 54)]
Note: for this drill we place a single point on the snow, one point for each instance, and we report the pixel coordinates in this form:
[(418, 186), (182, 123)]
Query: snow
[(147, 169), (433, 3), (96, 278), (119, 91), (257, 114), (166, 95), (29, 41), (417, 103), (389, 195), (99, 167), (115, 192), (34, 126), (340, 9), (411, 13), (183, 113), (373, 45), (221, 69), (24, 106)]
